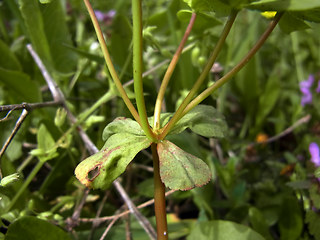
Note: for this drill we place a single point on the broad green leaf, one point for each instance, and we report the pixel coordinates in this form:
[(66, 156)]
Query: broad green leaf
[(57, 34), (312, 15), (259, 223), (20, 86), (223, 230), (290, 23), (32, 228), (7, 59), (203, 120), (102, 168), (290, 222), (33, 21), (122, 125), (208, 6), (284, 5), (46, 145), (203, 21), (180, 170)]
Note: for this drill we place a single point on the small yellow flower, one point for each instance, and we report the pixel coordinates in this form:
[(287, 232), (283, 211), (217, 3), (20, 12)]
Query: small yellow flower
[(269, 14)]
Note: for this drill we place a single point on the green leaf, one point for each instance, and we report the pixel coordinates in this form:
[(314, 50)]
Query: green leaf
[(203, 21), (122, 125), (290, 23), (20, 86), (46, 145), (284, 5), (9, 179), (235, 3), (120, 41), (290, 222), (57, 34), (45, 1), (314, 195), (180, 170), (7, 59), (312, 15), (313, 221), (203, 120), (32, 228), (33, 21), (223, 230), (208, 6), (258, 222), (102, 168)]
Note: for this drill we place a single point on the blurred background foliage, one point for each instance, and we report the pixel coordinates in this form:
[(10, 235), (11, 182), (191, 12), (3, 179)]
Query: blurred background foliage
[(269, 187)]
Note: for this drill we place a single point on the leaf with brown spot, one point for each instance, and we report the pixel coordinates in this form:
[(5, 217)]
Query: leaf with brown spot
[(102, 168), (180, 170)]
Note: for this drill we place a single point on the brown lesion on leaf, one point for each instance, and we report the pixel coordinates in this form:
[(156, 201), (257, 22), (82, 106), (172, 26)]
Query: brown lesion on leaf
[(107, 152), (94, 172)]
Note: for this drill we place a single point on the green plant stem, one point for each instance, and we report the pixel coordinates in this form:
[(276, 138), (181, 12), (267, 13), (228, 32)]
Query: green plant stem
[(109, 63), (237, 68), (159, 197), (137, 67), (178, 114), (169, 72), (25, 185)]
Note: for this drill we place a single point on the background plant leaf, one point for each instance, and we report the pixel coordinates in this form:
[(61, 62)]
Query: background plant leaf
[(284, 5), (33, 228), (46, 143), (180, 170), (203, 120), (203, 20), (223, 230), (102, 168), (20, 86)]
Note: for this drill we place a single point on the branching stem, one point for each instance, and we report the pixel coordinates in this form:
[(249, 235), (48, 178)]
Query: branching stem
[(137, 67), (169, 72), (236, 68), (178, 114)]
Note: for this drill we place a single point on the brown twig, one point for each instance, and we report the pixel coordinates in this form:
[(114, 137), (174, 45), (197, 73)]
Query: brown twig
[(73, 221), (96, 224), (108, 228), (290, 129), (13, 133), (103, 219), (143, 221), (53, 87), (29, 106)]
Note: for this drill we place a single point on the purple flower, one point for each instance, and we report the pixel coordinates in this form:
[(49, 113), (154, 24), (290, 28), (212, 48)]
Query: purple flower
[(315, 154), (106, 17), (318, 88), (99, 15), (305, 89)]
